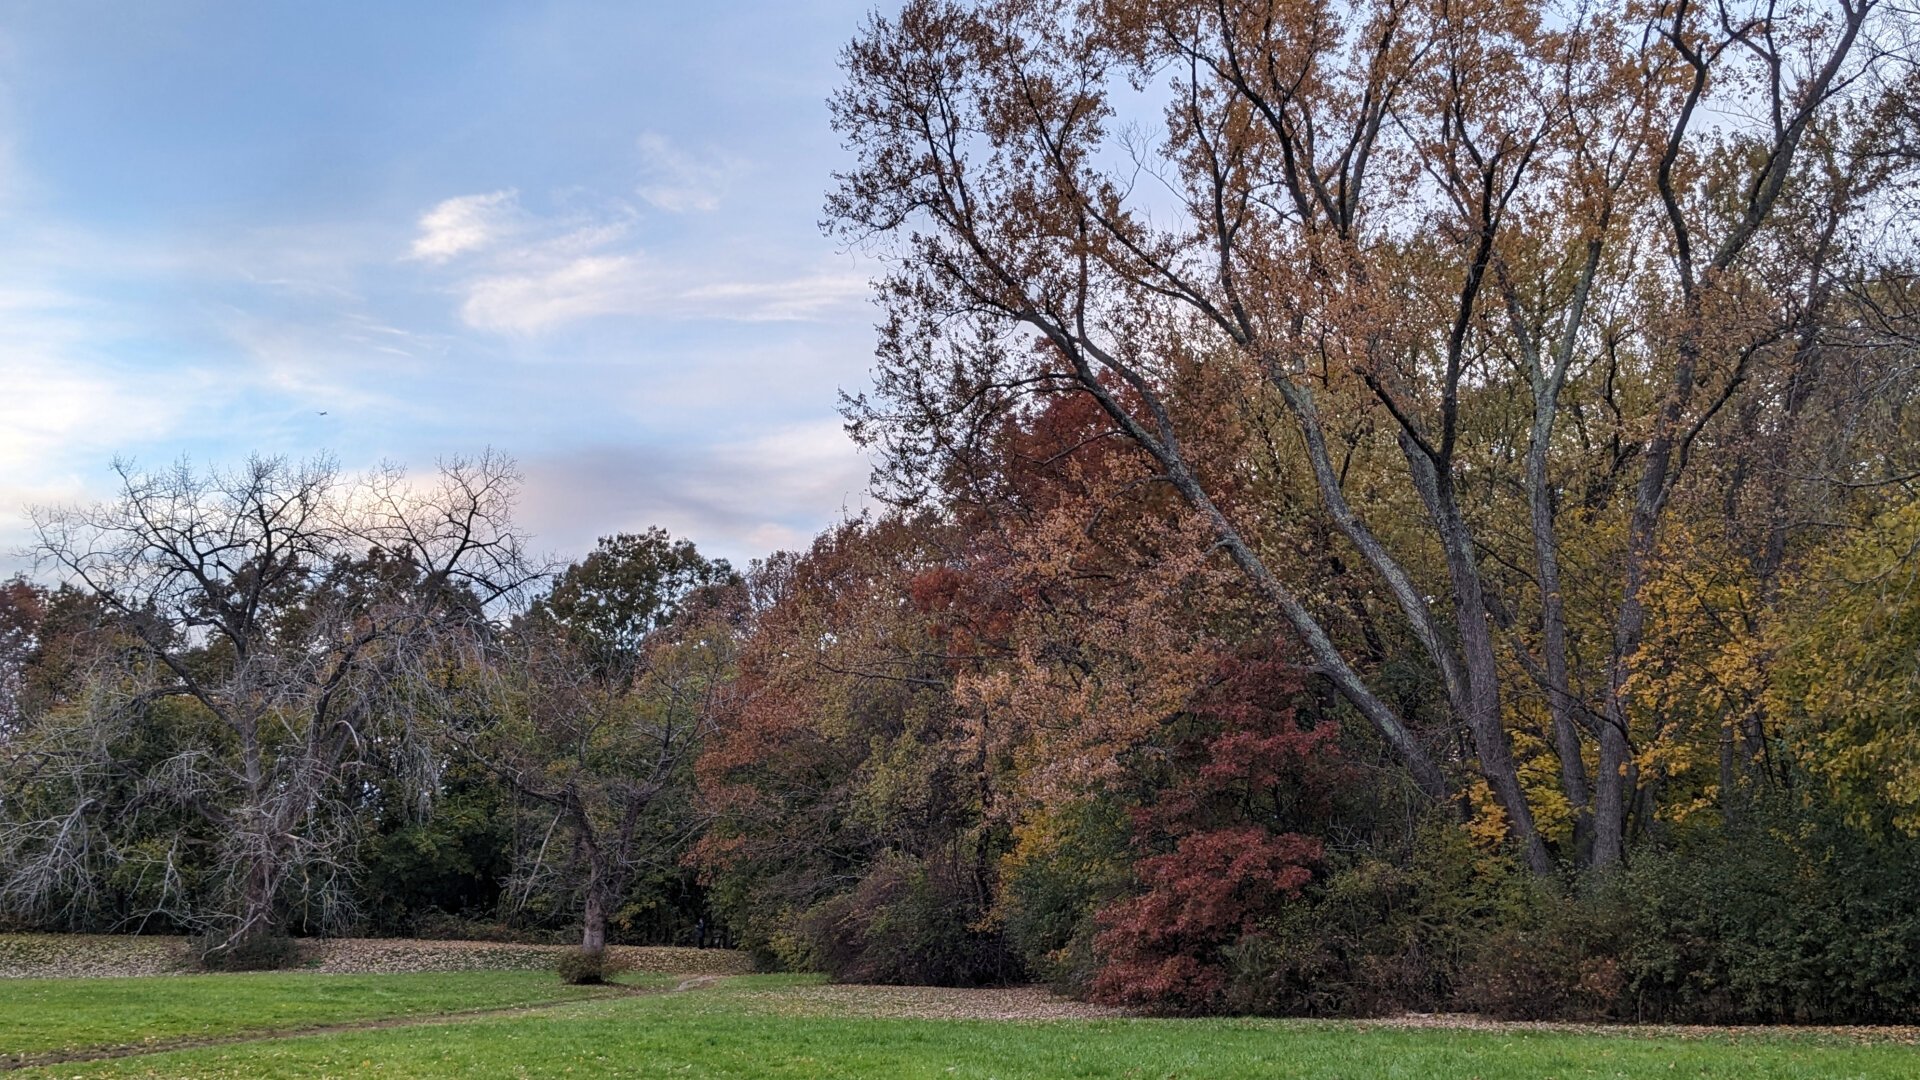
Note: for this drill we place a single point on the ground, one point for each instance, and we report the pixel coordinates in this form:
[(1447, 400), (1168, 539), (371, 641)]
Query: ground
[(701, 1019)]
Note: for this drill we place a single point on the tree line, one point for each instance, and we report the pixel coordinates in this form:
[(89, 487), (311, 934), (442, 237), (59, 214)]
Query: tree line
[(1387, 504)]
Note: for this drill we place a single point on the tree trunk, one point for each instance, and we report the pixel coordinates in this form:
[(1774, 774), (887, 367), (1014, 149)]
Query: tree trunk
[(1610, 797), (1479, 705), (593, 930), (1553, 624)]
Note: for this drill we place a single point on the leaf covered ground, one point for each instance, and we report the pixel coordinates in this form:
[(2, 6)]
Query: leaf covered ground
[(28, 956)]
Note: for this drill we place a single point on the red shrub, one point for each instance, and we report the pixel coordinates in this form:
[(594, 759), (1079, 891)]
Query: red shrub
[(1225, 833), (1163, 947)]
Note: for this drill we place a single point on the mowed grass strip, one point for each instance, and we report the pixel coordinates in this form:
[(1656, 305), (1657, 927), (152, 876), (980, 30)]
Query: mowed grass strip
[(729, 1031), (39, 1017)]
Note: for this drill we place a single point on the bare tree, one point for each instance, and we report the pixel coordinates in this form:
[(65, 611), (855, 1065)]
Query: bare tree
[(289, 612)]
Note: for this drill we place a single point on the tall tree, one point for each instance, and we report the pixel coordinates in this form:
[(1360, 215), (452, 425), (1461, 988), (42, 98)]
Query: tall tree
[(593, 708), (1429, 235)]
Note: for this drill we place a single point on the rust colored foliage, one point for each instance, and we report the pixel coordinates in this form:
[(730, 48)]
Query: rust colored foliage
[(1232, 821), (1162, 947)]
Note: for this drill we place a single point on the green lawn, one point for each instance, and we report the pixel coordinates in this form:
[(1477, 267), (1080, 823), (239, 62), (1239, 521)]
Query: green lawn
[(40, 1016), (730, 1031)]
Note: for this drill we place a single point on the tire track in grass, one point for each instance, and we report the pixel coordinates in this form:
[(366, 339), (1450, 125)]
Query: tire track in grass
[(10, 1063)]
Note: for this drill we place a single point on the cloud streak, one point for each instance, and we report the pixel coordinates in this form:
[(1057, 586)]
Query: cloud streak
[(520, 274), (679, 182), (464, 224), (606, 285)]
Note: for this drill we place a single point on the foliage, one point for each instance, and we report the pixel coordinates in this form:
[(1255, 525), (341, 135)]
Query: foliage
[(262, 631), (1067, 863), (1475, 410), (1848, 682), (629, 586), (908, 923), (1220, 854), (594, 724), (449, 865), (842, 748), (1448, 542), (1789, 917), (584, 967), (258, 952)]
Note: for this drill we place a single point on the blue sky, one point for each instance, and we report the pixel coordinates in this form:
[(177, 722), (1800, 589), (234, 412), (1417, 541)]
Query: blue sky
[(581, 233)]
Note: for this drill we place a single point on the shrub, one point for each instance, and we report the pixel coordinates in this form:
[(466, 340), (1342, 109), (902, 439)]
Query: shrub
[(585, 967), (1566, 969), (1377, 934), (1066, 865), (1785, 917), (267, 951), (906, 924), (1165, 947)]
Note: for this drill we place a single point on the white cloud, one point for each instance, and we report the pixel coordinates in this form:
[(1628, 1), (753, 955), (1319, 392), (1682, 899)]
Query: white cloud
[(575, 289), (676, 181), (802, 298), (60, 425), (518, 272), (609, 284), (465, 223)]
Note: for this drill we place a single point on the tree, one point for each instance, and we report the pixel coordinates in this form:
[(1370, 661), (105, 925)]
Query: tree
[(1847, 685), (628, 587), (1486, 262), (1222, 842), (851, 795), (593, 708), (22, 611), (278, 620)]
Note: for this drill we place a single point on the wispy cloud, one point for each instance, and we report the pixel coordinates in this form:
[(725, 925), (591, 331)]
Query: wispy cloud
[(601, 285), (802, 298), (520, 273), (465, 223), (476, 247), (66, 414), (677, 181), (738, 498), (574, 289)]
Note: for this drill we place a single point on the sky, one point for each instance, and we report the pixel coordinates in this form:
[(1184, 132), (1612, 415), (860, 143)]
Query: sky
[(582, 234)]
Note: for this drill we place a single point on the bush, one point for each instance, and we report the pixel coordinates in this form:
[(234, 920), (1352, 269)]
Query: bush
[(586, 967), (1784, 918), (1068, 864), (257, 952), (1164, 948), (907, 925), (1376, 935), (1568, 968)]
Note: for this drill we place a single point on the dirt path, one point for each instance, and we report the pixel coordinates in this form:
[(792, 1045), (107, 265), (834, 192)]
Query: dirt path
[(10, 1063)]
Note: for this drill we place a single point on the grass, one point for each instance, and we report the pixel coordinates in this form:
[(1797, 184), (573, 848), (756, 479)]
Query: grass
[(756, 1027), (42, 1016)]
